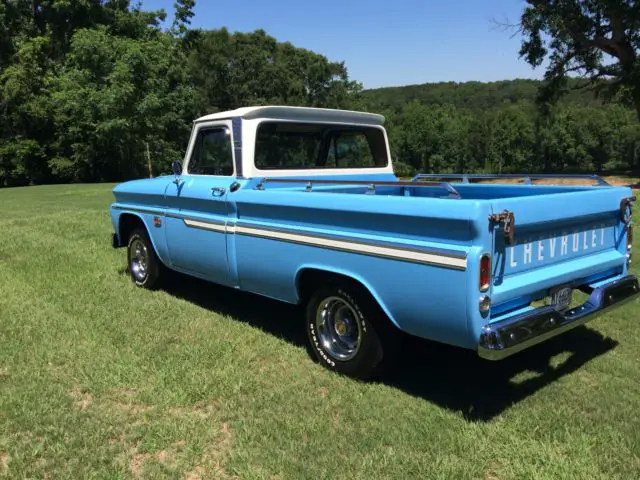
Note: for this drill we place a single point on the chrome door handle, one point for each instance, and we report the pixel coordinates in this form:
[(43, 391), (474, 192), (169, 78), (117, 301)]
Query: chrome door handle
[(218, 190)]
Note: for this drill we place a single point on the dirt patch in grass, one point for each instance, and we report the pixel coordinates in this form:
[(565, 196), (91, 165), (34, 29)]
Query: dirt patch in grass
[(129, 407), (175, 457), (195, 475), (118, 439), (491, 472), (4, 462), (122, 401), (81, 400), (126, 392), (165, 456), (200, 410), (210, 465)]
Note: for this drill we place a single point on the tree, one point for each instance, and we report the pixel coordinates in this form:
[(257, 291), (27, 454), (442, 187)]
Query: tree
[(115, 98), (184, 12), (597, 39), (95, 90), (232, 70), (511, 145)]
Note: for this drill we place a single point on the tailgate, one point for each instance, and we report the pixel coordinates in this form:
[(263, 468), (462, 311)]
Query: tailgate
[(564, 239)]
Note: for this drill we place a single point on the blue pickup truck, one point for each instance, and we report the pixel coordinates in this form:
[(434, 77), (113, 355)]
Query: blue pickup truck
[(302, 205)]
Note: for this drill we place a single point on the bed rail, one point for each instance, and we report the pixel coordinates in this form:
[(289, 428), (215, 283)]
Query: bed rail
[(371, 184), (465, 177)]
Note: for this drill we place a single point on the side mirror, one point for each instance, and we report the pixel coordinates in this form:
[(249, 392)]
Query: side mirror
[(176, 166)]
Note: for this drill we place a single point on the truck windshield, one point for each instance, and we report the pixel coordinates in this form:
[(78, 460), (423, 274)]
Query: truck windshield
[(290, 145)]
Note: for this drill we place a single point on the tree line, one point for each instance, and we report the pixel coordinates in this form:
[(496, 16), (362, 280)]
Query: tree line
[(97, 90), (499, 128)]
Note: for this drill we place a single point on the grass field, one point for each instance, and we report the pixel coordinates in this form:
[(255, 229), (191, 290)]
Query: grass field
[(99, 379)]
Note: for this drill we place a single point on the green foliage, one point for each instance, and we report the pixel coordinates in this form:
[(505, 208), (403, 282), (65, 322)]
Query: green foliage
[(114, 97), (599, 39), (239, 69), (470, 95), (95, 90), (184, 12), (497, 128)]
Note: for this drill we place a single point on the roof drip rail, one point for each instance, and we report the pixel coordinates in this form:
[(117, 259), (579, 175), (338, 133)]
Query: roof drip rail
[(527, 178), (371, 184)]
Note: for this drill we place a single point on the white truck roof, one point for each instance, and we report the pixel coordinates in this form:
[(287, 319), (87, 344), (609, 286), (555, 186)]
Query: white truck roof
[(252, 116), (305, 114)]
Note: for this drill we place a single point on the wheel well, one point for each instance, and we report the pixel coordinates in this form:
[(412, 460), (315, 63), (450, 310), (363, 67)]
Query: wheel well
[(310, 279), (128, 222)]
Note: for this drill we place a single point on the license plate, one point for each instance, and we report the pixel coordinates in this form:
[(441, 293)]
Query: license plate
[(561, 297)]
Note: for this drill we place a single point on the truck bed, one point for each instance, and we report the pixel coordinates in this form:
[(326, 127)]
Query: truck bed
[(564, 234)]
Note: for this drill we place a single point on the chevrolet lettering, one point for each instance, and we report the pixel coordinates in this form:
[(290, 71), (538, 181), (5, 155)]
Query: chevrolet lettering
[(302, 205), (542, 249)]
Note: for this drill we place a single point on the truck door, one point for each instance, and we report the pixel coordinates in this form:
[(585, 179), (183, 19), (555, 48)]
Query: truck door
[(199, 212)]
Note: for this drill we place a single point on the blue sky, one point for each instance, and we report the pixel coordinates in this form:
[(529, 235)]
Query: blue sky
[(384, 43)]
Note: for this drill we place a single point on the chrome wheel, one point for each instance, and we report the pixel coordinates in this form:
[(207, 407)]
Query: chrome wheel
[(338, 328), (138, 259)]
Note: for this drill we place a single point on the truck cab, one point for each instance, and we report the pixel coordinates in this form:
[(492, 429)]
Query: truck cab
[(302, 205)]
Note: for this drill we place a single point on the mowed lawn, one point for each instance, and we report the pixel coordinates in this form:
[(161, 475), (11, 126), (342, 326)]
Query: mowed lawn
[(99, 379)]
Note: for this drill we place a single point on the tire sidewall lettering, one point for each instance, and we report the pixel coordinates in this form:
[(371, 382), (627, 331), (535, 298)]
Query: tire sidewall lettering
[(318, 347), (361, 320), (356, 307)]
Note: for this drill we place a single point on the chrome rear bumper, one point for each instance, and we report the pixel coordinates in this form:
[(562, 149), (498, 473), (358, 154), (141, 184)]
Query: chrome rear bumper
[(504, 338)]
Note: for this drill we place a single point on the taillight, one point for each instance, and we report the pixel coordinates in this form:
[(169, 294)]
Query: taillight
[(485, 272)]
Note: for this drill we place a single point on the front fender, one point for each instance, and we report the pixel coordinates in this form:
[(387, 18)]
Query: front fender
[(156, 233)]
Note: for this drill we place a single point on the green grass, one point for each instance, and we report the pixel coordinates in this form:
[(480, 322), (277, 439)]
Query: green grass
[(99, 379)]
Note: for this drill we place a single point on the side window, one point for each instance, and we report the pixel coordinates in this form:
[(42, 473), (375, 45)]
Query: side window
[(212, 154)]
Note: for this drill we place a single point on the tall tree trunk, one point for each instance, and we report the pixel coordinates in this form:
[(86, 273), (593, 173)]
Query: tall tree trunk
[(148, 155)]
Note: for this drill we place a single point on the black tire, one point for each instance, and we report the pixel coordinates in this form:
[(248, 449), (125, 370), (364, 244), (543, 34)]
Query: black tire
[(360, 311), (150, 276)]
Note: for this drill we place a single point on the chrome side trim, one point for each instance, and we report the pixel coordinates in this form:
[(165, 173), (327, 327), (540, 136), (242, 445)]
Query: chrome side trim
[(216, 227), (504, 338), (150, 210), (432, 250), (358, 247)]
